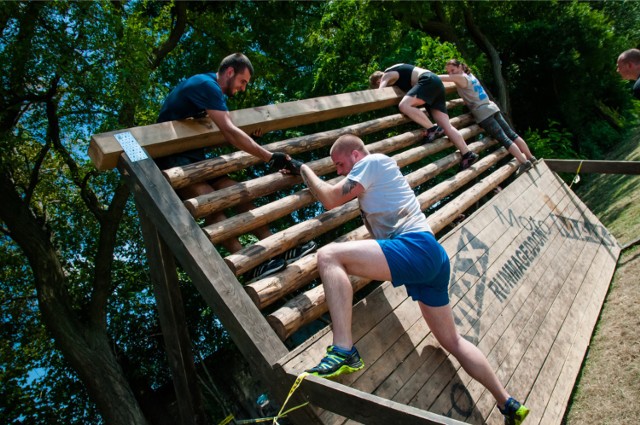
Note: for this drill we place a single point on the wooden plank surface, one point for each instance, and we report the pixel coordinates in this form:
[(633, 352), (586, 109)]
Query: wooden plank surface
[(530, 270)]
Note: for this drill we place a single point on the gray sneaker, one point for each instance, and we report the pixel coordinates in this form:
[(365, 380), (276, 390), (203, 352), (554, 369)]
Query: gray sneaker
[(468, 159), (524, 167), (432, 134)]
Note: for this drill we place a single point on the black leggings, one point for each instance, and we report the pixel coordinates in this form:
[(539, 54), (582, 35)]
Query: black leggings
[(498, 128)]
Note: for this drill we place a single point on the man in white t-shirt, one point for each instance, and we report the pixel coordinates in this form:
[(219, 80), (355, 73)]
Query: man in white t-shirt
[(403, 251)]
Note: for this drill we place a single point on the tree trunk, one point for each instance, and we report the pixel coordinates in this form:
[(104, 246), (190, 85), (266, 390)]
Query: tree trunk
[(85, 346), (496, 64)]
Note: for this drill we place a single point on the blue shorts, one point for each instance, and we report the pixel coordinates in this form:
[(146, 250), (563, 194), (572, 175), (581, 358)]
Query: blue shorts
[(421, 264)]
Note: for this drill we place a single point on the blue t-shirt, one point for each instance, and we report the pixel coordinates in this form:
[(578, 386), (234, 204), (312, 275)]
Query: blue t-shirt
[(192, 97), (389, 206)]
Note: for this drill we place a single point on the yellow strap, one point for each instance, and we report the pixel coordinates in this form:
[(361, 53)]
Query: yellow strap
[(280, 414), (294, 387), (226, 420), (576, 179)]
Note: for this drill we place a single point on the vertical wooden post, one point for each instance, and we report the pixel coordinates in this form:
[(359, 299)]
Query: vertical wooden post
[(172, 321)]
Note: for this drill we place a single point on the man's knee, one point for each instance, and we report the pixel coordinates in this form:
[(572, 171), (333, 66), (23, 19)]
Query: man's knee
[(404, 107), (325, 256), (331, 255)]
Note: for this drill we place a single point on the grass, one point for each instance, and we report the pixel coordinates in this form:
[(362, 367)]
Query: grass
[(608, 386)]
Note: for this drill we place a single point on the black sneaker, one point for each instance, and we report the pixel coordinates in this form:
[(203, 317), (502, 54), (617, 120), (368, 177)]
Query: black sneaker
[(514, 412), (336, 363), (432, 134), (299, 251), (267, 268), (468, 159)]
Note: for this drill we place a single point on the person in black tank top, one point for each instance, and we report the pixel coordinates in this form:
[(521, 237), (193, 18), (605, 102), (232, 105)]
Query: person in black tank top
[(424, 88), (404, 80)]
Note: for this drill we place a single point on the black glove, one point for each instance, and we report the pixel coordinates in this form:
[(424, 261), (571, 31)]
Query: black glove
[(294, 166), (278, 161)]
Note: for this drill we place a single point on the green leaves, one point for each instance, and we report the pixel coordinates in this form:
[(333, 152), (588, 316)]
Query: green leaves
[(552, 142), (72, 69)]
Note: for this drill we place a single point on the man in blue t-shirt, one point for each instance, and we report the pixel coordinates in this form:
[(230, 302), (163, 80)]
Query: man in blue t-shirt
[(403, 250), (628, 66), (205, 95)]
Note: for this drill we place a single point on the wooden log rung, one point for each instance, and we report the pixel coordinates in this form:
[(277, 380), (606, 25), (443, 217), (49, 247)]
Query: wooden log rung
[(310, 305), (266, 291), (251, 256), (219, 200)]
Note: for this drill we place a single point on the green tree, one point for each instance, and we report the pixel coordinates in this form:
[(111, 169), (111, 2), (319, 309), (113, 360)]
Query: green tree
[(67, 68), (80, 337), (77, 305)]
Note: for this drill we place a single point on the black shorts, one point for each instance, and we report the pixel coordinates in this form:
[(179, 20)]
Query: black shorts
[(430, 90)]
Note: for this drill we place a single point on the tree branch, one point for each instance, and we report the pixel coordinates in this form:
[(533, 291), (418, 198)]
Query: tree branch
[(53, 134), (109, 225), (35, 172), (496, 64), (180, 12)]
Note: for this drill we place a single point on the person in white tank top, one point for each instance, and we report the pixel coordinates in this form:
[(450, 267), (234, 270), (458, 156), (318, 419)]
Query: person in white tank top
[(486, 112)]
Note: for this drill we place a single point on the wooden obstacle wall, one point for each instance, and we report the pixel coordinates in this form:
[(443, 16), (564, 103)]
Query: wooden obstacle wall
[(530, 271), (519, 266)]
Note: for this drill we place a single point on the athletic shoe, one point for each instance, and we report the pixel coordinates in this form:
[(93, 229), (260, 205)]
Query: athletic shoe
[(468, 159), (267, 268), (337, 363), (299, 251), (514, 412), (432, 134), (534, 160), (524, 167)]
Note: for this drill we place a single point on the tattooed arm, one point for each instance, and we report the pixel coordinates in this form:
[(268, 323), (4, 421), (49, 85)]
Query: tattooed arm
[(329, 195)]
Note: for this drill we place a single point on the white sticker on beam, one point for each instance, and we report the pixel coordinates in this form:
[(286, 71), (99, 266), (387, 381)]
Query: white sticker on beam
[(131, 146)]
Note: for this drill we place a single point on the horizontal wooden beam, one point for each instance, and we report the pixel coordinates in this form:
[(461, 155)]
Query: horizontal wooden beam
[(586, 166), (364, 407), (162, 139), (170, 137)]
